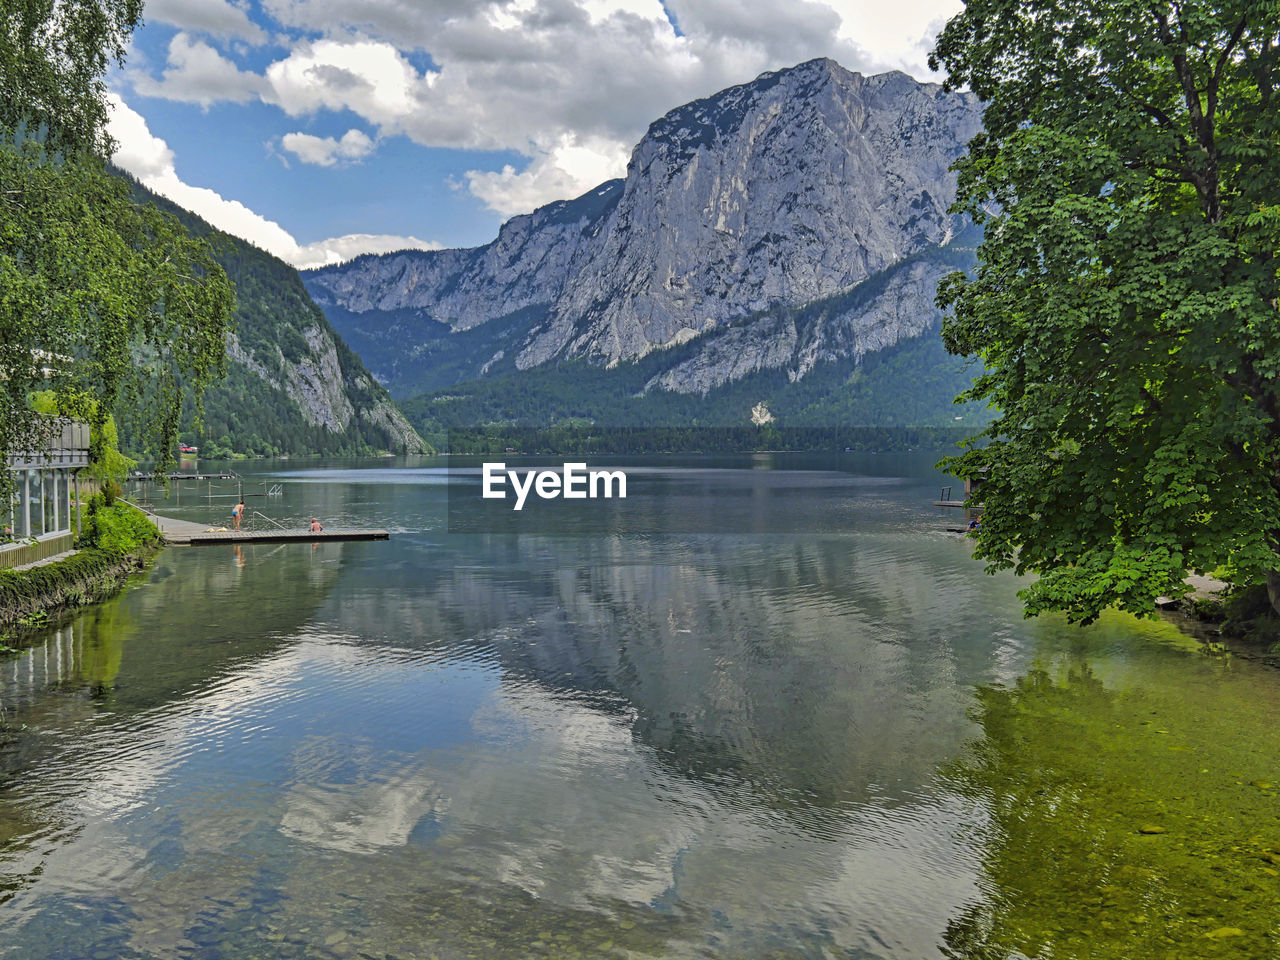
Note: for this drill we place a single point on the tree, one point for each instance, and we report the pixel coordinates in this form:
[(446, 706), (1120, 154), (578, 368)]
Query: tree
[(1125, 298), (53, 54), (99, 296), (111, 464)]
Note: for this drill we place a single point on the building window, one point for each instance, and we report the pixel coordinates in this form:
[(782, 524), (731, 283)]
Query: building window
[(36, 499)]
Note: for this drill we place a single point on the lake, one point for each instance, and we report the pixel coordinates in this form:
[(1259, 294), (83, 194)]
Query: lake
[(800, 723)]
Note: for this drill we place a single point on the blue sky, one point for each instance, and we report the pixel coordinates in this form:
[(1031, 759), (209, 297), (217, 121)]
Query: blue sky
[(320, 129)]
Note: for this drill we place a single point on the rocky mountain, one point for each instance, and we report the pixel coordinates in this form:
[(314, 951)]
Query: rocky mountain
[(293, 386), (774, 229)]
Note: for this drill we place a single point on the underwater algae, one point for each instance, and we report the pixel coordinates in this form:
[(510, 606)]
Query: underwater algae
[(1133, 810)]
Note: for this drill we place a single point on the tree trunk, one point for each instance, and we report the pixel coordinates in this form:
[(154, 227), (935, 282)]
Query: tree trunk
[(1273, 589)]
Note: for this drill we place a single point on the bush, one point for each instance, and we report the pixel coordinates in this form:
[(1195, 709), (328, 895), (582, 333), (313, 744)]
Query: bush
[(116, 541), (118, 529)]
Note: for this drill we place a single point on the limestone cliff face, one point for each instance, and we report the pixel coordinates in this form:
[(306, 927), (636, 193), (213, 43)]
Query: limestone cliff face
[(293, 386), (798, 186), (527, 265), (903, 309), (323, 388), (316, 384)]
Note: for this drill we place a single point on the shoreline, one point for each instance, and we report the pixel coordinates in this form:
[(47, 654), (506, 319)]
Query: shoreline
[(88, 576), (1238, 622)]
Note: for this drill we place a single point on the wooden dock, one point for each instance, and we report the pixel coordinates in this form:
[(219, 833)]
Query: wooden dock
[(186, 476), (278, 536), (202, 534)]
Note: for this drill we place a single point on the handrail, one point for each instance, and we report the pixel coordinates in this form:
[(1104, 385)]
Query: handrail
[(269, 520)]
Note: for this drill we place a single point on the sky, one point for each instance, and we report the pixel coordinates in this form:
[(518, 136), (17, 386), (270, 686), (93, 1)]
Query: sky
[(322, 129)]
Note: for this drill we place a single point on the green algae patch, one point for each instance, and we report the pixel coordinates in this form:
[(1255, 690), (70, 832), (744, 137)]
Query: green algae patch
[(1101, 841), (1225, 933)]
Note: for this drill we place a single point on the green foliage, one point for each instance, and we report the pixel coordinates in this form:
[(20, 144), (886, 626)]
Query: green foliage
[(120, 296), (52, 59), (84, 577), (1125, 301), (117, 528), (110, 463), (98, 296), (583, 439)]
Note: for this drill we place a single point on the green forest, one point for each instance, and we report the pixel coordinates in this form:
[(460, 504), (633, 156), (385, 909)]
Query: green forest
[(244, 414)]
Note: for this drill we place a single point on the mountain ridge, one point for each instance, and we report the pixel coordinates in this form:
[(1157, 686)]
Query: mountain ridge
[(773, 194)]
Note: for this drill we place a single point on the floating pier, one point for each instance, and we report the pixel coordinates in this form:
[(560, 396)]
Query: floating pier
[(186, 476), (203, 534), (275, 536)]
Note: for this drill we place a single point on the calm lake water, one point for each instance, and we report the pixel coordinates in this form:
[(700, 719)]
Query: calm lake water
[(840, 742)]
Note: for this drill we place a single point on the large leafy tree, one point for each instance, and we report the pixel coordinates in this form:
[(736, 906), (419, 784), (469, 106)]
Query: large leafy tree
[(100, 297), (1125, 300)]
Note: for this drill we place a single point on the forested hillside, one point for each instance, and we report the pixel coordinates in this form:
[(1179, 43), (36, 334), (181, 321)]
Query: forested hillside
[(293, 387)]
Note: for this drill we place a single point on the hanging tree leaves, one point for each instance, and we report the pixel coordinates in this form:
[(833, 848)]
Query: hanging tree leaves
[(1125, 301), (98, 295)]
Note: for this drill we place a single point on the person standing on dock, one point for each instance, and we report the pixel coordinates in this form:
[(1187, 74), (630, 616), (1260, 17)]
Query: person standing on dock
[(237, 513)]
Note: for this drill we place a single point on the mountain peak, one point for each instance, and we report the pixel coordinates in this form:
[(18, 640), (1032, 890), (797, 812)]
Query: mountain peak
[(790, 188), (818, 65)]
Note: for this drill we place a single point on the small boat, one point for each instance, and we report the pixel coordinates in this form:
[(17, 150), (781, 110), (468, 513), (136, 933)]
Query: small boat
[(188, 450)]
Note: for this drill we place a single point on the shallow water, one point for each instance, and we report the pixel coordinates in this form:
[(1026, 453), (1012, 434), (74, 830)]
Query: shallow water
[(720, 745)]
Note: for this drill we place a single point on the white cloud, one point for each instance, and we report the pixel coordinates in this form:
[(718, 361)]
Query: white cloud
[(197, 73), (216, 17), (149, 158), (546, 78), (563, 169), (370, 78), (338, 249), (355, 145), (137, 151), (900, 33)]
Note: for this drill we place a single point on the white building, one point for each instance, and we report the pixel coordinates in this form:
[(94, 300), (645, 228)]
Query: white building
[(40, 520)]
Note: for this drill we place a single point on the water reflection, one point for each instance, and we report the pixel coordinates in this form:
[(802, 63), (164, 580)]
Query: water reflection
[(692, 746), (1132, 803), (817, 672)]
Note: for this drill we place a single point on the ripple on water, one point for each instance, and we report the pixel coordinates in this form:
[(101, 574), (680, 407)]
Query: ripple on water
[(701, 746)]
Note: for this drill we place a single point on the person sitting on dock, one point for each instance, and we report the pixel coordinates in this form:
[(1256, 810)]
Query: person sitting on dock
[(976, 523), (315, 525), (237, 513)]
